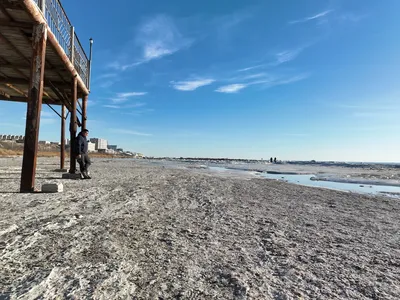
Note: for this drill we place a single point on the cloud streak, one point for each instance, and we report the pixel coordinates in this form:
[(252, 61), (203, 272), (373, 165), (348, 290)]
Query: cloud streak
[(288, 55), (267, 82), (130, 132), (314, 17), (123, 97), (231, 88), (191, 85)]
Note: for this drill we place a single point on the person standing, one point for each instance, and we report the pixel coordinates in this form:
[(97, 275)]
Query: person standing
[(82, 153)]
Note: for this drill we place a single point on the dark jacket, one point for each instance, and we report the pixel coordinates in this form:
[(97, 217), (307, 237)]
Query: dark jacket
[(81, 144)]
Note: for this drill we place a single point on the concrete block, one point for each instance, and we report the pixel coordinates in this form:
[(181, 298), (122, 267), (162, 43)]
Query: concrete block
[(52, 188), (71, 176)]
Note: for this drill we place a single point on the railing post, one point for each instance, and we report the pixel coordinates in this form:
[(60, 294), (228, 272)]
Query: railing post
[(90, 64), (72, 46), (43, 7)]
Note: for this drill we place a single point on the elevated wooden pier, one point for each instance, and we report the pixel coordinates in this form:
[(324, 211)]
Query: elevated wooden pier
[(42, 62)]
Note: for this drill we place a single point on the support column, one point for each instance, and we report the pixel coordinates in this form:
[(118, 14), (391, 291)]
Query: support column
[(84, 111), (34, 108), (62, 145), (73, 125)]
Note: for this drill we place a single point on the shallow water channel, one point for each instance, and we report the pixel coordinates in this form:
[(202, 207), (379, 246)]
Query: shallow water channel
[(305, 179)]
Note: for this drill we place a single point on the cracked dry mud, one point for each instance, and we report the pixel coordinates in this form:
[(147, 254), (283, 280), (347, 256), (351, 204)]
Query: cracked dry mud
[(142, 231)]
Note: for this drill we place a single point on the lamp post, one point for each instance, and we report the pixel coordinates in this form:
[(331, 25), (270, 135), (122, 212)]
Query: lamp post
[(90, 62)]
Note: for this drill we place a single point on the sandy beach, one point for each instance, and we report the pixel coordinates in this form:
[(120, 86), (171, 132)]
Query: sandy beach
[(143, 230)]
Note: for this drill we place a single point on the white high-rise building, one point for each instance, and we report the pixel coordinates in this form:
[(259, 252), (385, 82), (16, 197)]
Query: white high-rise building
[(91, 147), (101, 144)]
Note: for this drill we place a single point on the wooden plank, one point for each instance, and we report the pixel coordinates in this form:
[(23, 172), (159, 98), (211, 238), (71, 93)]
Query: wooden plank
[(4, 23), (33, 109), (11, 80)]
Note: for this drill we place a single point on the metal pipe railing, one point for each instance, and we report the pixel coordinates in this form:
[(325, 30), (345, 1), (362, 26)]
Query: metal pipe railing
[(61, 27)]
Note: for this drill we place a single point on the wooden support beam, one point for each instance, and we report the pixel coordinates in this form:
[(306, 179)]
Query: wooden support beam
[(17, 90), (11, 45), (15, 69), (15, 5), (12, 80), (9, 23), (60, 96), (25, 66), (84, 111), (4, 11), (62, 145), (73, 125), (4, 95), (33, 109)]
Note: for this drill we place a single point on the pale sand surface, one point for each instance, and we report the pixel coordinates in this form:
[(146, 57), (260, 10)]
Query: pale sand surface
[(144, 231)]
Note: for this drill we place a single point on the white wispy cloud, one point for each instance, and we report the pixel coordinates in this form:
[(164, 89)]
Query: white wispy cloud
[(156, 37), (135, 105), (267, 82), (130, 94), (314, 17), (231, 88), (256, 75), (112, 106), (105, 76), (130, 132), (251, 68), (291, 79), (288, 55), (123, 97), (191, 85)]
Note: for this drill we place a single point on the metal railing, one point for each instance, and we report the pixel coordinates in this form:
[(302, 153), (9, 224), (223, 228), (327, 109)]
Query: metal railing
[(62, 29), (81, 61)]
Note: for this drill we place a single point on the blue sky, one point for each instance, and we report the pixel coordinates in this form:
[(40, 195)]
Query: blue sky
[(293, 79)]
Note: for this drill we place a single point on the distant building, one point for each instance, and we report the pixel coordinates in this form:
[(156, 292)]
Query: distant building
[(120, 150), (101, 144), (44, 142), (91, 147), (112, 147)]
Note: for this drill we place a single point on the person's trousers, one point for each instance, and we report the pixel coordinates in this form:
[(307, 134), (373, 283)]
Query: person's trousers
[(84, 163)]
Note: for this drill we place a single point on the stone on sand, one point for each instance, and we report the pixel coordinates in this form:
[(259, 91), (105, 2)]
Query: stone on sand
[(52, 188)]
